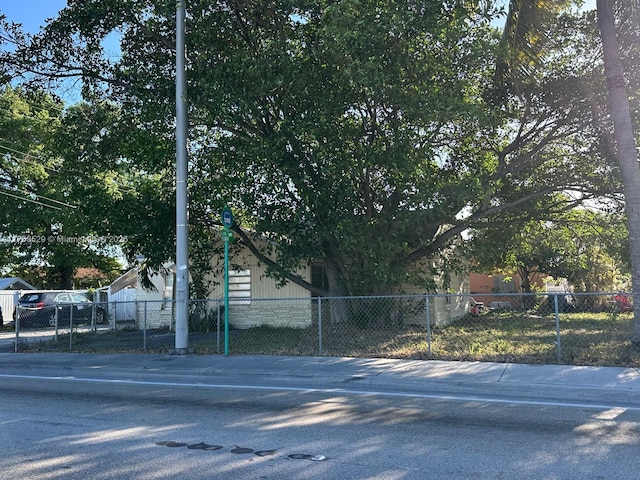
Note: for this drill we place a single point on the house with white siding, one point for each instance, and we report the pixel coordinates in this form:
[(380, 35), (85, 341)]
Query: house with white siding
[(128, 300), (256, 299)]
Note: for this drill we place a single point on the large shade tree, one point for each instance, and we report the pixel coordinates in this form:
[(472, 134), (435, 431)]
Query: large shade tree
[(365, 134)]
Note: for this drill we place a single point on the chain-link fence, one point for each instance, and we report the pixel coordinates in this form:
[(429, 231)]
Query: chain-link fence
[(564, 328)]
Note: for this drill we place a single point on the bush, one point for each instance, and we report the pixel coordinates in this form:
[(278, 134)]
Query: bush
[(202, 319)]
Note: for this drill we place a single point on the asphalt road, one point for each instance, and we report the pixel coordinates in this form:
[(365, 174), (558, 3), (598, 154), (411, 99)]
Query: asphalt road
[(64, 429)]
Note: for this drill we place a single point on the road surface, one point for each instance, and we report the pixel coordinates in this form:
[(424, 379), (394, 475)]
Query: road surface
[(57, 429)]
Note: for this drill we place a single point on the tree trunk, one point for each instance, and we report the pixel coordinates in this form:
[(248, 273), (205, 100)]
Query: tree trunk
[(65, 273), (528, 300), (625, 145), (338, 292), (525, 281)]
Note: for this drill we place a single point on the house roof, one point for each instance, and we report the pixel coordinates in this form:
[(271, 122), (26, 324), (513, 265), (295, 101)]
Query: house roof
[(15, 283), (129, 279)]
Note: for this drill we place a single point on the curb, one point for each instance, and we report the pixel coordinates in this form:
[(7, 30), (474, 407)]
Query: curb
[(550, 384)]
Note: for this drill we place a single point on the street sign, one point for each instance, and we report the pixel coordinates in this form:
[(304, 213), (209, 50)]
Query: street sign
[(227, 235), (227, 217)]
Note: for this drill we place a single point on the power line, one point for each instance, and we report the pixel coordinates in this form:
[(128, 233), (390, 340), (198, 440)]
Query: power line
[(13, 150), (32, 194), (23, 159), (20, 152), (2, 192), (45, 198)]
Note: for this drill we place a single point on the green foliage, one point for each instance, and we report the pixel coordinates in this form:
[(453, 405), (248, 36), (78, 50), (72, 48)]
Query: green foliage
[(49, 219), (525, 38), (361, 133), (587, 247)]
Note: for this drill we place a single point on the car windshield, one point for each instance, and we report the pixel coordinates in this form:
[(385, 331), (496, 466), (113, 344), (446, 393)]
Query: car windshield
[(30, 297)]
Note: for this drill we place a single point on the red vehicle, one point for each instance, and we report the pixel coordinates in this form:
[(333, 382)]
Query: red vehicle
[(476, 307), (623, 303)]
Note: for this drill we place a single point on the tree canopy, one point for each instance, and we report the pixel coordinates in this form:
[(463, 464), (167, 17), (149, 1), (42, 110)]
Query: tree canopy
[(587, 247), (361, 133), (50, 220)]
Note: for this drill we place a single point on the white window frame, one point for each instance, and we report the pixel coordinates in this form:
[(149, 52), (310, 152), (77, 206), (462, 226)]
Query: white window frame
[(240, 287)]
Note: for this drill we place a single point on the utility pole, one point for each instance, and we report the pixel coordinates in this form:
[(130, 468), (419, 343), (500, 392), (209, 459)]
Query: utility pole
[(182, 214)]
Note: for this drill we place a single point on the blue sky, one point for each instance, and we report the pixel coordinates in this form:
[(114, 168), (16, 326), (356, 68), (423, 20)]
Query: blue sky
[(31, 13)]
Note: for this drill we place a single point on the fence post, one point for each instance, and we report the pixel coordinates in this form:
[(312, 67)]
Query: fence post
[(55, 315), (144, 328), (71, 328), (218, 306), (428, 318), (320, 326), (15, 346), (558, 347)]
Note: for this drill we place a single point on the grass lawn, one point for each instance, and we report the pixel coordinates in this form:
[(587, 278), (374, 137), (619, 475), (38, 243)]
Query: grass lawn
[(585, 339)]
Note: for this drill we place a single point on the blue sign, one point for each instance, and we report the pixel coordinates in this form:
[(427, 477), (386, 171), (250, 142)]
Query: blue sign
[(227, 217)]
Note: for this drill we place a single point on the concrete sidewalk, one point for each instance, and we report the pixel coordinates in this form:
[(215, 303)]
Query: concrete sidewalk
[(549, 384)]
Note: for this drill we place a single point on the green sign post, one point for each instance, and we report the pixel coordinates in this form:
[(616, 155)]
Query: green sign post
[(227, 236)]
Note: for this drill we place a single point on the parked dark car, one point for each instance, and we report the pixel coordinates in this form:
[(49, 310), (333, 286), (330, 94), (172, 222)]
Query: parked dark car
[(38, 309)]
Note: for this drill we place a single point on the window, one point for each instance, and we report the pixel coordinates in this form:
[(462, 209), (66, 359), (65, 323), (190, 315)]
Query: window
[(239, 286), (77, 298), (319, 277), (33, 297), (63, 298)]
